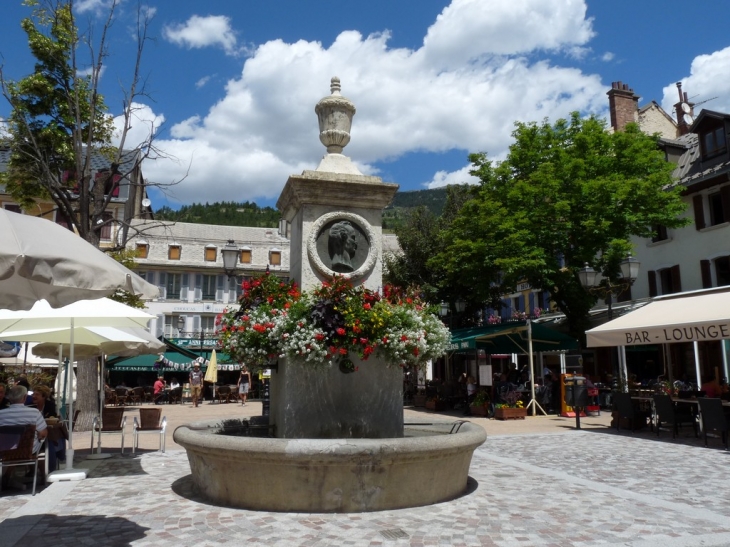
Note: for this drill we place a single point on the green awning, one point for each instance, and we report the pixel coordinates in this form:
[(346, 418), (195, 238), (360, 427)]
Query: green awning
[(511, 337), (174, 362)]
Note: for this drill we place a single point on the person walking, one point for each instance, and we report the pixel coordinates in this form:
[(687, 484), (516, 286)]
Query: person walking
[(244, 384), (196, 383)]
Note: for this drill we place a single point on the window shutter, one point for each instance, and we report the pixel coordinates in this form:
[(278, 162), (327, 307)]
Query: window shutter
[(705, 266), (160, 326), (219, 288), (676, 280), (196, 323), (198, 287), (150, 277), (652, 283), (725, 197), (699, 210), (162, 284), (184, 287)]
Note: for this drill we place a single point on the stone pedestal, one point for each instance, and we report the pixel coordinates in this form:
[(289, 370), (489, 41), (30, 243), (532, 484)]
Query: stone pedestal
[(310, 402)]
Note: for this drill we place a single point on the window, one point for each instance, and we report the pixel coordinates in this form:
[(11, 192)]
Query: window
[(722, 270), (142, 249), (245, 256), (717, 215), (111, 184), (667, 280), (275, 258), (106, 227), (660, 233), (174, 282), (713, 142), (209, 286), (210, 254), (174, 252), (12, 207), (207, 323), (516, 304)]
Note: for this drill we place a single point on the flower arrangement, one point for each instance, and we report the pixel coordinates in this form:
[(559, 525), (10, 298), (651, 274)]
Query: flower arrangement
[(511, 400), (481, 399), (325, 326)]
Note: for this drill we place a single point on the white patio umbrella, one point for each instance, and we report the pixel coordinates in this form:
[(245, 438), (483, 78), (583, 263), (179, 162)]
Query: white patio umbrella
[(42, 260), (42, 320)]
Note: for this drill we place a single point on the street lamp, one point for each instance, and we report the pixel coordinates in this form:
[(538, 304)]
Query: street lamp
[(230, 258), (445, 309), (589, 279)]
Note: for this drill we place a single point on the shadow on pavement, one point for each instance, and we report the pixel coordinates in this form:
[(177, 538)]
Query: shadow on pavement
[(48, 529)]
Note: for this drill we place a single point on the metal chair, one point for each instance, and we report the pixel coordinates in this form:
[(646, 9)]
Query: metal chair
[(175, 395), (625, 410), (136, 395), (223, 393), (713, 418), (21, 439), (149, 422), (122, 394), (667, 413), (113, 421)]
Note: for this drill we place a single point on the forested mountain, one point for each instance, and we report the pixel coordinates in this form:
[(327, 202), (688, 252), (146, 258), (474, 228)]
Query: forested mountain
[(227, 213), (249, 214)]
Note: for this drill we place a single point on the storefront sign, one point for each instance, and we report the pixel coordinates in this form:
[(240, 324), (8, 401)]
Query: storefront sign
[(523, 287)]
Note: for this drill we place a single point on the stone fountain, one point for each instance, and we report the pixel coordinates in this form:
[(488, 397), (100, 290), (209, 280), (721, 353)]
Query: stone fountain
[(341, 444)]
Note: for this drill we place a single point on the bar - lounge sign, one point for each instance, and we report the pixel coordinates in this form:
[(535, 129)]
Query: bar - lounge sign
[(675, 334)]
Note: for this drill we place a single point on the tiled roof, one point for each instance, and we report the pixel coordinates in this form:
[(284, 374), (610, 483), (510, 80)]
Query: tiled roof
[(98, 161)]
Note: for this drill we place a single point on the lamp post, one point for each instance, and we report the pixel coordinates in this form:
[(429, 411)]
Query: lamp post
[(230, 258), (590, 281)]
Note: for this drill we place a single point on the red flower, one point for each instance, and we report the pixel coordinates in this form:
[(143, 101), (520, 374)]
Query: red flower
[(409, 300), (270, 299), (385, 339), (403, 338), (332, 350), (340, 331), (256, 283), (287, 305), (245, 285), (319, 337), (368, 350), (245, 318), (343, 351), (366, 305), (363, 341), (415, 352)]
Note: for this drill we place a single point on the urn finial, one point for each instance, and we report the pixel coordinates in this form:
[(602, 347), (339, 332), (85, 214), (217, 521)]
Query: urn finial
[(335, 114)]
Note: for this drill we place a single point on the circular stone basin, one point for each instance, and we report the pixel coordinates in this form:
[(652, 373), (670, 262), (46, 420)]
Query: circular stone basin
[(429, 465)]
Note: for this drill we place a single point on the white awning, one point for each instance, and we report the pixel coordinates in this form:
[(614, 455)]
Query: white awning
[(698, 318)]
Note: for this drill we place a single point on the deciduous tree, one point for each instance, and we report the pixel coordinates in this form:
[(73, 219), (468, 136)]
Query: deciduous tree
[(567, 194)]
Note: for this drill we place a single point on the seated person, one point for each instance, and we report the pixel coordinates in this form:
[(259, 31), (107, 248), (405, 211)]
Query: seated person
[(174, 383), (19, 414), (47, 407), (712, 388), (4, 402), (159, 390)]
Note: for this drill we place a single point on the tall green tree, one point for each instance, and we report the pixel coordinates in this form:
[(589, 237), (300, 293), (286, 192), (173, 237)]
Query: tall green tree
[(568, 194), (59, 123)]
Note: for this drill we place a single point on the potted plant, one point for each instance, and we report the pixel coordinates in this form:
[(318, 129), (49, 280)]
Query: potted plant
[(480, 405), (511, 409), (419, 399), (436, 403)]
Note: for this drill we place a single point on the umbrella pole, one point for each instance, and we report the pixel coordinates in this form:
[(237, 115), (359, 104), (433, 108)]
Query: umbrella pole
[(69, 474), (99, 455), (533, 402)]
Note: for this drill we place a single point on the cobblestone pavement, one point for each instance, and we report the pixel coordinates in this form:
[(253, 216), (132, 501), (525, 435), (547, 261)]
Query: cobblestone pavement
[(563, 488)]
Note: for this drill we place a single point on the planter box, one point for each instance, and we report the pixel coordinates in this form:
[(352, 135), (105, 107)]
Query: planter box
[(435, 405), (510, 413), (419, 400), (479, 410)]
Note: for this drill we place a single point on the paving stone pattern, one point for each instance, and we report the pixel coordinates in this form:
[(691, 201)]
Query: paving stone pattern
[(567, 489)]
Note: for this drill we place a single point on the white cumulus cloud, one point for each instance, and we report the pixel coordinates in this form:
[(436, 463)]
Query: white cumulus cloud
[(199, 32), (477, 71), (707, 76)]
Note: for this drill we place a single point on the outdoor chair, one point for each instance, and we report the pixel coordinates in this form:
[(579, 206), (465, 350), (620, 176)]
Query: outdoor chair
[(136, 395), (234, 393), (175, 395), (223, 393), (149, 422), (713, 418), (112, 423), (149, 394), (668, 414), (110, 397), (625, 410), (122, 394), (18, 442)]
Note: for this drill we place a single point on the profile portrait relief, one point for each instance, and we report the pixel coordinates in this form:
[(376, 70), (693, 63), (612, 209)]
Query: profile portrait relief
[(342, 246)]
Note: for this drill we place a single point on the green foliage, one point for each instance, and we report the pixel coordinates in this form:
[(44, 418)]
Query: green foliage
[(227, 213), (57, 118), (420, 239), (567, 194), (396, 214)]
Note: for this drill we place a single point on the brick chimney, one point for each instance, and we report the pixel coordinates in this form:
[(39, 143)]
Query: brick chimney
[(685, 111), (623, 104)]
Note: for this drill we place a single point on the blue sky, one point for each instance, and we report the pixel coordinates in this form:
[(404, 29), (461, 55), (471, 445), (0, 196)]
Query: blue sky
[(432, 80)]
